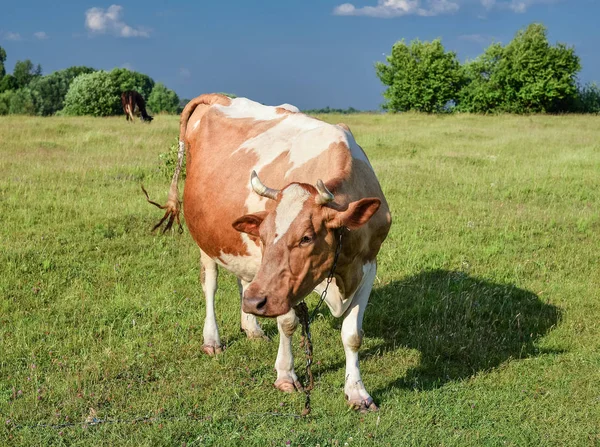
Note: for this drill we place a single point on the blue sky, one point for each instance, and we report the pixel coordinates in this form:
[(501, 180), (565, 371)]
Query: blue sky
[(310, 53)]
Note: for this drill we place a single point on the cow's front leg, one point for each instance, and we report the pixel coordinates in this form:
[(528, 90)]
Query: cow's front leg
[(284, 365), (352, 334), (249, 324), (208, 276)]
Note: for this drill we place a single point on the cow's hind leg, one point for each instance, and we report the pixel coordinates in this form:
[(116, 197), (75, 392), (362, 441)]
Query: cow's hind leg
[(284, 365), (249, 324), (356, 394), (208, 275)]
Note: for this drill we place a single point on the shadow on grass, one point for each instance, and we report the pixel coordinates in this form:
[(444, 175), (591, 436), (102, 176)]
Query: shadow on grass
[(460, 325)]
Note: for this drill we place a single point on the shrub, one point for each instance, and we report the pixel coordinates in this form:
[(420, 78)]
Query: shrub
[(125, 79), (526, 76), (168, 161), (588, 98), (93, 94), (21, 102), (420, 76), (163, 99), (8, 83), (50, 91)]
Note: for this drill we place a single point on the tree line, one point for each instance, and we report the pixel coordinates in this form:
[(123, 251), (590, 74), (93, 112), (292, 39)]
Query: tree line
[(528, 75), (77, 91)]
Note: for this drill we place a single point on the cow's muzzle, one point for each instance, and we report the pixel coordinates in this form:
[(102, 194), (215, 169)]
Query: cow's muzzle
[(256, 305)]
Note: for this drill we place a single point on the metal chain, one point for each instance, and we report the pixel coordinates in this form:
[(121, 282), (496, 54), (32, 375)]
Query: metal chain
[(305, 341)]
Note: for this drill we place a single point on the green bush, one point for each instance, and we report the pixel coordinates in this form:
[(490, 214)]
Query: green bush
[(168, 161), (5, 102), (526, 76), (163, 99), (8, 83), (50, 90), (588, 98), (125, 79), (21, 102), (93, 94), (24, 72), (420, 76)]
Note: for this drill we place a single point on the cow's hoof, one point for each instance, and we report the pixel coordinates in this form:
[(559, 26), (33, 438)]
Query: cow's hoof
[(363, 405), (212, 349), (288, 386), (257, 335)]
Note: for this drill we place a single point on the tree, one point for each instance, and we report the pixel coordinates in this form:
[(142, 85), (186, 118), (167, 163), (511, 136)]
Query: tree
[(526, 76), (126, 79), (21, 102), (420, 76), (8, 83), (25, 71), (50, 90), (163, 99), (94, 94), (588, 98), (2, 60)]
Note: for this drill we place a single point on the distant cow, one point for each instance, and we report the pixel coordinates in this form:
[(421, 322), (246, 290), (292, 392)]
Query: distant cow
[(280, 240), (133, 104)]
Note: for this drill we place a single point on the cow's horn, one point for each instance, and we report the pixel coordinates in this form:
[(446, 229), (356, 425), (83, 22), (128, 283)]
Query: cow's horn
[(325, 196), (262, 190)]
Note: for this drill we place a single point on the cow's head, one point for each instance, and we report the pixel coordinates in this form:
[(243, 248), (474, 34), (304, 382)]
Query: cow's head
[(298, 241)]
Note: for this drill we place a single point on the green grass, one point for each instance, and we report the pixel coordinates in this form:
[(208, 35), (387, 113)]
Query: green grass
[(483, 328)]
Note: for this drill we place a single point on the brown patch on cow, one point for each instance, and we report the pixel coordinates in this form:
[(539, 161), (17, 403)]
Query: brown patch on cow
[(217, 179), (289, 325), (354, 342), (202, 274), (283, 111), (344, 126)]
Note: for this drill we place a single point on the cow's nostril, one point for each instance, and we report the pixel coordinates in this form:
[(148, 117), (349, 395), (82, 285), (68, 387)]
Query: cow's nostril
[(256, 305)]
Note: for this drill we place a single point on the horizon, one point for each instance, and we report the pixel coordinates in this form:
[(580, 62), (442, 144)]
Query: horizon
[(310, 54)]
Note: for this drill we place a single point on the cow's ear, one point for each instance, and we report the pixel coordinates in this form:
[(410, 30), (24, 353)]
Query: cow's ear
[(249, 223), (357, 214)]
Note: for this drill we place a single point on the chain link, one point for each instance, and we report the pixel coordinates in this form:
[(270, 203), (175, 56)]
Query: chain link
[(305, 320)]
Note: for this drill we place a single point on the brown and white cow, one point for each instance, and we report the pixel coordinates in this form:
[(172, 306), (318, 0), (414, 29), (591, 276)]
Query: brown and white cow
[(280, 239), (133, 103)]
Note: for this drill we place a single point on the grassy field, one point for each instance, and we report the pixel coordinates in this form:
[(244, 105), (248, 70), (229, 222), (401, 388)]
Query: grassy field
[(483, 328)]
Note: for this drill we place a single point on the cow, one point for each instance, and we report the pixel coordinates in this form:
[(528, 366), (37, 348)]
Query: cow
[(268, 193), (133, 103)]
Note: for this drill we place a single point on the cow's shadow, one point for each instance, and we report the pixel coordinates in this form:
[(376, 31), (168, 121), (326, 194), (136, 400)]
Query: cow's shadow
[(459, 324)]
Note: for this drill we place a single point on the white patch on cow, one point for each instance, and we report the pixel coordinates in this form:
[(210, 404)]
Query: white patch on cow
[(246, 108), (337, 303), (352, 336), (244, 267), (289, 107), (196, 124), (356, 150), (289, 207)]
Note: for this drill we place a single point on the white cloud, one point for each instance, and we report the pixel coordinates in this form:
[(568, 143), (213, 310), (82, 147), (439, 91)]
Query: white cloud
[(12, 36), (427, 8), (397, 8), (41, 35), (100, 21), (518, 6)]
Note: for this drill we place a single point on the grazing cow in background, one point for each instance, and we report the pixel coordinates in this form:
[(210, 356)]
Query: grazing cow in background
[(133, 104), (280, 239)]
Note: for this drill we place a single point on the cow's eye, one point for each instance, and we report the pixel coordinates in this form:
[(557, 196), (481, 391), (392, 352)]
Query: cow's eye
[(305, 240)]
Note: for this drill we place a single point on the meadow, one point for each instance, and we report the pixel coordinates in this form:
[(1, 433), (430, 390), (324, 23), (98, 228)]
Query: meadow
[(483, 327)]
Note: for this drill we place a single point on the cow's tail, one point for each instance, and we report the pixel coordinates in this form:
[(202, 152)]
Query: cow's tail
[(173, 205)]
